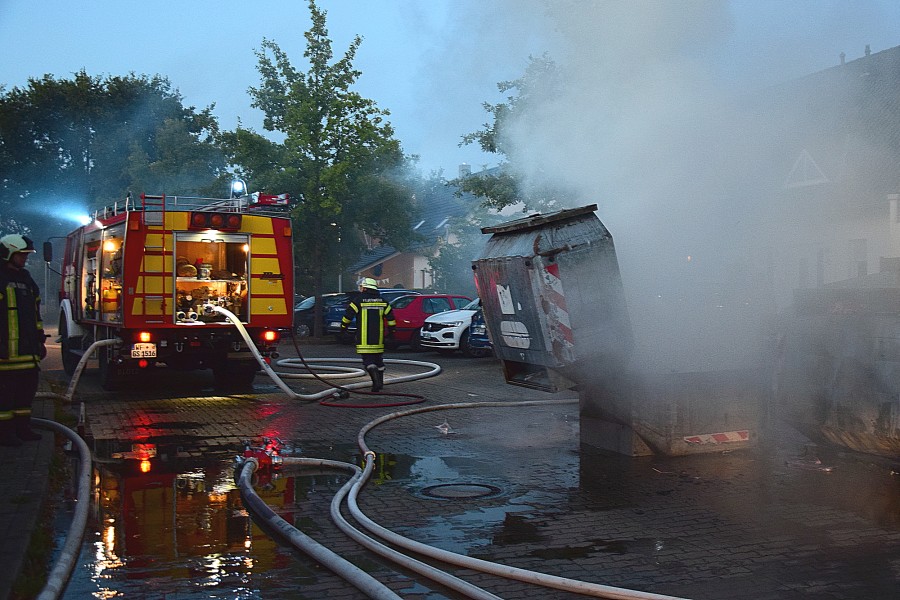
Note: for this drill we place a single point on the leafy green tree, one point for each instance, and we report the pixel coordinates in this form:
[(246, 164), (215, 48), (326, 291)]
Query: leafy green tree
[(507, 185), (451, 263), (91, 140), (339, 159)]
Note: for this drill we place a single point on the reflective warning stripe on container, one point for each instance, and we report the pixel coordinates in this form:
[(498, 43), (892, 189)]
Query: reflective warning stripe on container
[(726, 437), (556, 307)]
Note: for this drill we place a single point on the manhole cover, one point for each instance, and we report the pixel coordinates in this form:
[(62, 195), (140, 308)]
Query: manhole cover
[(460, 490)]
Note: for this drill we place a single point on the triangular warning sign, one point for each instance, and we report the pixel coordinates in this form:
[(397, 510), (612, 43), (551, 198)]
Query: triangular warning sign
[(805, 172)]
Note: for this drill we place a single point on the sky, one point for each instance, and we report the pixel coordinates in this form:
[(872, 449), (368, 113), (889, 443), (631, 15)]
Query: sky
[(431, 63)]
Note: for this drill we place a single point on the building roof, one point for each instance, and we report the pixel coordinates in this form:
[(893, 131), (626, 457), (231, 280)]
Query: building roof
[(438, 207), (839, 127)]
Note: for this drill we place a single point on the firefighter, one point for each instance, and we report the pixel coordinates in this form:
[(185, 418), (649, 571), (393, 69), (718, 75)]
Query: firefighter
[(370, 312), (22, 341)]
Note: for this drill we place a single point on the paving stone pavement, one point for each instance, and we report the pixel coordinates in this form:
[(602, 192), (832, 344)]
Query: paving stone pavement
[(737, 525)]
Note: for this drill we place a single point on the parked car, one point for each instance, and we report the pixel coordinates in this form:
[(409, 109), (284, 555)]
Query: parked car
[(336, 312), (304, 312), (478, 335), (410, 312), (449, 331)]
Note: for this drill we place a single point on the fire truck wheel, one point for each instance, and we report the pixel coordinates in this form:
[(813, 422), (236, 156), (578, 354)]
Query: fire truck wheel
[(69, 358), (234, 377)]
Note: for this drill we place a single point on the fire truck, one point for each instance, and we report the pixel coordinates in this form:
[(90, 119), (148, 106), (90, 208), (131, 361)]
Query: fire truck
[(145, 272)]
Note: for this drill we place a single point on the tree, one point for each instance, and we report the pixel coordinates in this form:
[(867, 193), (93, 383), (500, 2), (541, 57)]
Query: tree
[(339, 159), (92, 140), (508, 185)]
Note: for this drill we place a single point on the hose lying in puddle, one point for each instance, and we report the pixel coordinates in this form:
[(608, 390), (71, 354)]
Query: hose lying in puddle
[(338, 565), (278, 378), (352, 488), (542, 579), (65, 562)]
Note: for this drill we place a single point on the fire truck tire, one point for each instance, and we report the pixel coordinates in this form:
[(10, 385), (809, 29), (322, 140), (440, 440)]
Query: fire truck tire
[(233, 376), (69, 358)]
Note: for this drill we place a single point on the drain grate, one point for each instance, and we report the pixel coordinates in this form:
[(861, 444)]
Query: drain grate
[(460, 490)]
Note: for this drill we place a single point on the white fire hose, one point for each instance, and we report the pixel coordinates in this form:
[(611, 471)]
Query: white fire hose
[(278, 378)]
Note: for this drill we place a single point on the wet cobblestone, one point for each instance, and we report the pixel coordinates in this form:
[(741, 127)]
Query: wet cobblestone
[(732, 525)]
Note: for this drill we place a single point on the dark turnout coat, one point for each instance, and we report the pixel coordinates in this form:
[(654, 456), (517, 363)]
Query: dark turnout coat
[(370, 312)]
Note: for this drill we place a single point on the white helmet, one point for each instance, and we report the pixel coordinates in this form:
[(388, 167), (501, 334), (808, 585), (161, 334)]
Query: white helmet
[(12, 243), (368, 283)]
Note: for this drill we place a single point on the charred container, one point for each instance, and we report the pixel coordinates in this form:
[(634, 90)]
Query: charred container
[(556, 311)]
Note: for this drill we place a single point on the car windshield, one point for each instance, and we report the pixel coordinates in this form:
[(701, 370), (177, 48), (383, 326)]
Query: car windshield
[(308, 303), (402, 301), (473, 305), (330, 300), (390, 295), (336, 299)]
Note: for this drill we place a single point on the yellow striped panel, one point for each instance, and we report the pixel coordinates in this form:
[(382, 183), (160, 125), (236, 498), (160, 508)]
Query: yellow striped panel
[(264, 246), (263, 265), (251, 224), (177, 220), (270, 287), (268, 306)]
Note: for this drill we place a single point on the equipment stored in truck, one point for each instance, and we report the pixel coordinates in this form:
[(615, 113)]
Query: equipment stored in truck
[(146, 271)]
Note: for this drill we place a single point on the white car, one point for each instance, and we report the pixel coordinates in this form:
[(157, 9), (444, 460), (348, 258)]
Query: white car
[(449, 331)]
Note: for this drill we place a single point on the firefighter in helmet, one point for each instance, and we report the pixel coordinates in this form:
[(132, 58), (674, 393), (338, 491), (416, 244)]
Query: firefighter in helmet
[(371, 312), (22, 341)]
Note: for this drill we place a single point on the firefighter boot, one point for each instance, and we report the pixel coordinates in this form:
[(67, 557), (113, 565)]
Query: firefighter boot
[(8, 434), (373, 375), (22, 427), (379, 380)]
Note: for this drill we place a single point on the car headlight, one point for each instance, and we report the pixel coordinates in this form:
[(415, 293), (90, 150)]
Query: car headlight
[(454, 323), (479, 329)]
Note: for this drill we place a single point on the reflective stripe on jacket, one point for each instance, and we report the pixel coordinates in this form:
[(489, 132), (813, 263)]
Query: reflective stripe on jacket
[(370, 312), (21, 327)]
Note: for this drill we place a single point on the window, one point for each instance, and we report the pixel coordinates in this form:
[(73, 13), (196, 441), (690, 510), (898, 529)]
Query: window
[(110, 268), (431, 306)]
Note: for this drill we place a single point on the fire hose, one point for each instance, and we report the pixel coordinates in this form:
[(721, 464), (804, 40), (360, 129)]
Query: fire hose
[(278, 378), (338, 565), (351, 491)]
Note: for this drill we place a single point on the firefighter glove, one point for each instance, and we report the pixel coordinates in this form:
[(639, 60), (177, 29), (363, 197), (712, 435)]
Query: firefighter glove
[(43, 352)]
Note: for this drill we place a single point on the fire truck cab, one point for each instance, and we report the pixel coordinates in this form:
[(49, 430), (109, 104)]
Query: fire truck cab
[(145, 272)]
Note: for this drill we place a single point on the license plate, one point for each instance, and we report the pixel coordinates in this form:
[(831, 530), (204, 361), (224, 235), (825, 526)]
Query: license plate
[(143, 350), (334, 324)]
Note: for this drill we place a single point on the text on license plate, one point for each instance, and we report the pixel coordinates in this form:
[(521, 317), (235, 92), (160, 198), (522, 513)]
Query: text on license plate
[(143, 350)]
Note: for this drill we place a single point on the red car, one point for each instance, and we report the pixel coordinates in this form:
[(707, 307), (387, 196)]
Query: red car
[(410, 313)]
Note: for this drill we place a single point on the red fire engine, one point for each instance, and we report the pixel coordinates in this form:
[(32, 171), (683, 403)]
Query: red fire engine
[(141, 273)]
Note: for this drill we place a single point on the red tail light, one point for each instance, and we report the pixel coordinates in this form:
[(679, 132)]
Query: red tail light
[(215, 220), (270, 335)]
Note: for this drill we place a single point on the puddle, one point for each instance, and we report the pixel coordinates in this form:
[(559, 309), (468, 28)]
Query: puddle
[(180, 530)]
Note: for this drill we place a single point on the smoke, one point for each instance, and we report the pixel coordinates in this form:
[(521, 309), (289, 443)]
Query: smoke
[(652, 123)]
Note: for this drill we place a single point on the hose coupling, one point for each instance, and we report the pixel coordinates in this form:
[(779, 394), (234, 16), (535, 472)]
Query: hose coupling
[(369, 454)]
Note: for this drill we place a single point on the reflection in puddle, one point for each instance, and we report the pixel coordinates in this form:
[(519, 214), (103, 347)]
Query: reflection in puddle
[(184, 532)]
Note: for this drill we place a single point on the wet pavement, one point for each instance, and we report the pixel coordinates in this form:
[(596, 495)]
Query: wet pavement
[(510, 485)]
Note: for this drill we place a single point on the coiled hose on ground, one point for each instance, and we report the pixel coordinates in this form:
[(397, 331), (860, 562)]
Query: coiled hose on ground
[(359, 480)]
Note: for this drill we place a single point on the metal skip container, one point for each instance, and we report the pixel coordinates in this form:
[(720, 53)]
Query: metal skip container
[(555, 308)]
